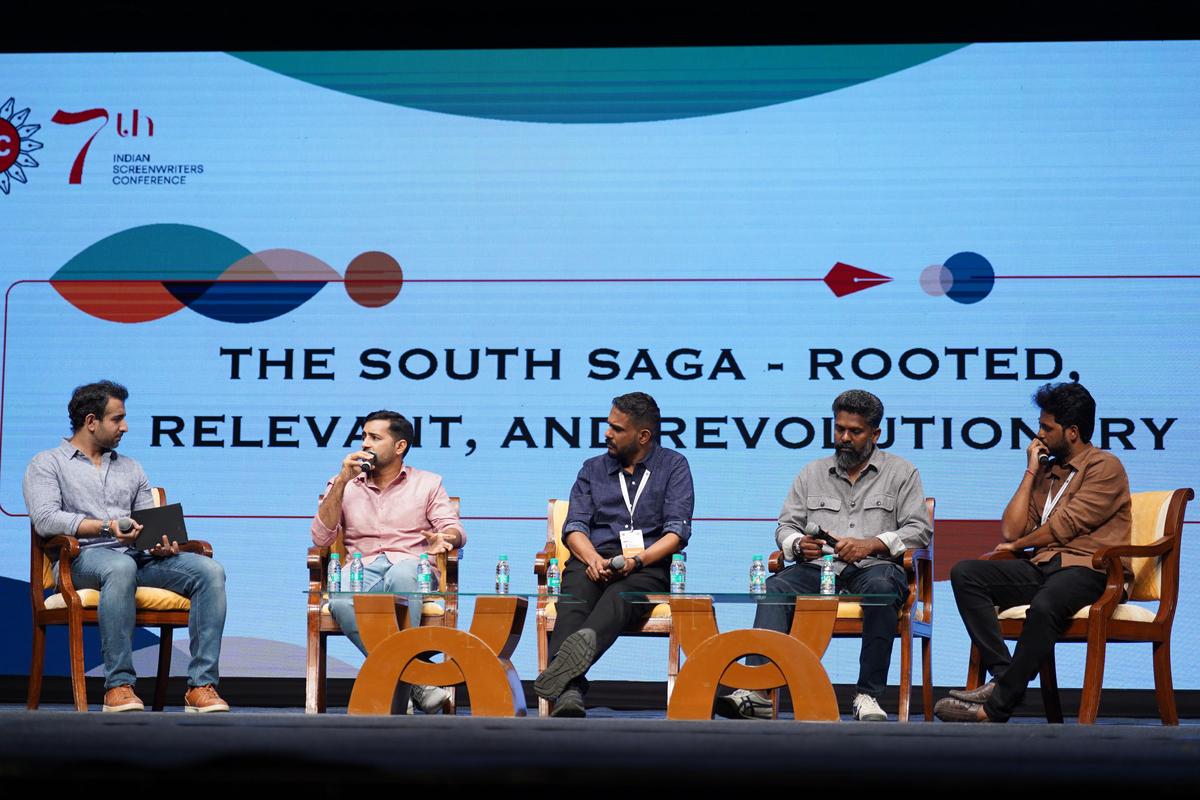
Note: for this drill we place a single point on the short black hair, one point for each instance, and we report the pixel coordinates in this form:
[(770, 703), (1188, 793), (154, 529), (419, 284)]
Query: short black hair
[(398, 426), (641, 408), (92, 398), (863, 403), (1069, 404)]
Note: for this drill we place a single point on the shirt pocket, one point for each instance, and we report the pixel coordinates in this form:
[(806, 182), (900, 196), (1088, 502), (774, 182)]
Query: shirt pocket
[(880, 502), (824, 510)]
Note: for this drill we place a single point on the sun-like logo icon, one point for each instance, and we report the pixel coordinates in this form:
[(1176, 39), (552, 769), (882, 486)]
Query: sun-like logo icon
[(15, 145)]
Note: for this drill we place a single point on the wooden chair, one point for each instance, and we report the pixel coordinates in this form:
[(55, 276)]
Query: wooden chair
[(1154, 550), (75, 608), (322, 625), (915, 621), (657, 623)]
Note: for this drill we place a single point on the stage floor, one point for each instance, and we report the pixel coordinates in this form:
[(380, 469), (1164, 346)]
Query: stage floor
[(336, 755)]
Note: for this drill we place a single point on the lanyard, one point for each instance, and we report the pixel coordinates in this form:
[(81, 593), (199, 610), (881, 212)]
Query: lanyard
[(1051, 502), (636, 497)]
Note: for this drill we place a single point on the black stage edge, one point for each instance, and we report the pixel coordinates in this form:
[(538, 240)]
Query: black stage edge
[(180, 755), (617, 695)]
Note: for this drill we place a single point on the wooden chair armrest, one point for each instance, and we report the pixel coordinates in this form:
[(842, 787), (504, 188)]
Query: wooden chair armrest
[(776, 562), (541, 562), (912, 556), (67, 546), (198, 546), (318, 558), (1155, 549)]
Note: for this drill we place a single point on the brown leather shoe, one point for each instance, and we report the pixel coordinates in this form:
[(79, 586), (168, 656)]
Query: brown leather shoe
[(951, 709), (979, 695), (203, 700), (122, 698)]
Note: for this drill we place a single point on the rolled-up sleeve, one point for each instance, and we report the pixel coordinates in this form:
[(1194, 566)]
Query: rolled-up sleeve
[(43, 499), (680, 500), (792, 517), (442, 514), (582, 507), (321, 535), (913, 528)]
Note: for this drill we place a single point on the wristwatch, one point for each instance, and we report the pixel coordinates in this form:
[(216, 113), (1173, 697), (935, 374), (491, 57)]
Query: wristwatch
[(105, 529), (638, 561)]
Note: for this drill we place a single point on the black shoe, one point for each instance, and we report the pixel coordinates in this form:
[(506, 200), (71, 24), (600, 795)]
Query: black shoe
[(569, 704), (573, 659), (980, 695)]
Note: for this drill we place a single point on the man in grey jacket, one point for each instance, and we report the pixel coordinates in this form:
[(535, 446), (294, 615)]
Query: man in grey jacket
[(872, 504)]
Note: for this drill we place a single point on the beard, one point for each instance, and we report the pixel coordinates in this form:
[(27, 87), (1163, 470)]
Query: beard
[(848, 456)]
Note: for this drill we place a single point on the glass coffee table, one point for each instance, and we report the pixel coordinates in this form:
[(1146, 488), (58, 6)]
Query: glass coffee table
[(479, 658), (794, 658)]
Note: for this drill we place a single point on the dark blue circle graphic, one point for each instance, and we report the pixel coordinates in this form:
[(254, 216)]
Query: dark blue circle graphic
[(973, 277)]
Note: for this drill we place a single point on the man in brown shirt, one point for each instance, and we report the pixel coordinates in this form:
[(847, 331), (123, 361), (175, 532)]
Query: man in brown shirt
[(1073, 499)]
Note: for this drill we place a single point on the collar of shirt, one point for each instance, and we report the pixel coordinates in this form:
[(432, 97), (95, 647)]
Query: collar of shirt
[(874, 461), (1076, 463), (70, 451), (365, 481), (613, 465)]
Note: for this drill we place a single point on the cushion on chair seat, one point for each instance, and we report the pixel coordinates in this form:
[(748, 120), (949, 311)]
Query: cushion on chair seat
[(1125, 611), (147, 598), (660, 611), (428, 609)]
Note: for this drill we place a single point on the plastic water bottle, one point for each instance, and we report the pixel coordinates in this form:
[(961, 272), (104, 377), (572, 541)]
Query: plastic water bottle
[(424, 575), (333, 579), (828, 577), (678, 574), (356, 573), (502, 575), (553, 578), (758, 576)]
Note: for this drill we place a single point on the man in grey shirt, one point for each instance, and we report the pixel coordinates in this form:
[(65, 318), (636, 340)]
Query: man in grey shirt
[(873, 504), (82, 488)]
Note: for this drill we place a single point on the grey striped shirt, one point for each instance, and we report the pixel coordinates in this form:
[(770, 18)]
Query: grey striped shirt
[(63, 488)]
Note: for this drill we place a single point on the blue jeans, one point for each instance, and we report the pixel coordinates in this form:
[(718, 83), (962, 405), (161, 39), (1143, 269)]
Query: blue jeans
[(383, 576), (118, 574), (879, 622)]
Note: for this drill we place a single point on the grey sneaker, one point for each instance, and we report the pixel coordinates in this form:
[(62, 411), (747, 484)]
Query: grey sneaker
[(574, 657), (429, 699), (866, 709), (743, 704), (569, 704)]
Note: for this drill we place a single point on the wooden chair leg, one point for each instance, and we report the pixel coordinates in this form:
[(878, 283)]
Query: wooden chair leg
[(1093, 675), (37, 664), (975, 669), (165, 635), (543, 660), (927, 677), (312, 673), (1164, 690), (672, 662), (75, 650), (906, 656), (1050, 698)]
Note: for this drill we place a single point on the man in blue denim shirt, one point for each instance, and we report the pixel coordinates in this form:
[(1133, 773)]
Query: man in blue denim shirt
[(636, 500)]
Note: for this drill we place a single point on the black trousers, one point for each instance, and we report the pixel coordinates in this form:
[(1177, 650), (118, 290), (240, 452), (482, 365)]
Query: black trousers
[(1053, 592), (602, 608), (879, 622)]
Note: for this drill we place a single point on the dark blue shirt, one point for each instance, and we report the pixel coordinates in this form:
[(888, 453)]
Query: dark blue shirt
[(598, 508)]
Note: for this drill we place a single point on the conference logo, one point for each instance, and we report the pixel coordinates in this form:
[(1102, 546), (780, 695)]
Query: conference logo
[(16, 144), (152, 271), (137, 167)]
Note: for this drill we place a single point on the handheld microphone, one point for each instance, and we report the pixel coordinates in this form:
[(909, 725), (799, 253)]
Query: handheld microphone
[(1043, 459), (617, 563), (125, 524), (815, 531), (367, 464)]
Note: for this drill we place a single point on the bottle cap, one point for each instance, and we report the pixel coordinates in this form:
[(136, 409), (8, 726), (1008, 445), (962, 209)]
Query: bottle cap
[(677, 557), (424, 556), (504, 558), (554, 561), (334, 557), (758, 558)]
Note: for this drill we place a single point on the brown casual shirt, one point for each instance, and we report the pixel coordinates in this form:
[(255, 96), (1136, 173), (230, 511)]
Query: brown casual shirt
[(1093, 512)]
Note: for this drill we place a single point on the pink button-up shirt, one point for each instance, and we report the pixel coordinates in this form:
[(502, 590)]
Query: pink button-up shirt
[(390, 520)]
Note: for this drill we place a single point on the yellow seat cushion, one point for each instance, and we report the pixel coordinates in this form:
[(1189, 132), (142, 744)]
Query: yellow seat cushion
[(428, 609), (147, 599), (1125, 611), (660, 611)]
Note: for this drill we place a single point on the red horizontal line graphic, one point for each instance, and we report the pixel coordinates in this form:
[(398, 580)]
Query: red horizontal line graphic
[(1096, 277), (388, 281)]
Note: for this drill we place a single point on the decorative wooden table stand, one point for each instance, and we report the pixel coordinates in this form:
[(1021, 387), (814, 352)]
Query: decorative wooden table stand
[(712, 658), (479, 658)]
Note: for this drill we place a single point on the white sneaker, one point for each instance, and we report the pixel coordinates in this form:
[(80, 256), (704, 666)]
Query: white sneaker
[(429, 698), (743, 704), (866, 709)]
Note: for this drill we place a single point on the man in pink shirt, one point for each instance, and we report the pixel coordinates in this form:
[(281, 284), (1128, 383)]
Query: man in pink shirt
[(390, 513)]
